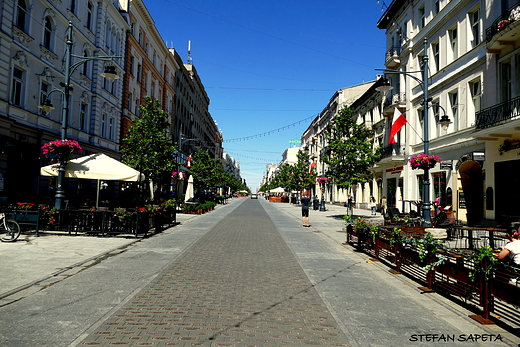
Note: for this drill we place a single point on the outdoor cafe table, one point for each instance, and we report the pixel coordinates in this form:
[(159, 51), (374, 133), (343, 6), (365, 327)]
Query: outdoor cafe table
[(490, 231)]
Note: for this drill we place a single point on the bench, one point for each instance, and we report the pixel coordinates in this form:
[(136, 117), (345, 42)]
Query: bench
[(28, 219)]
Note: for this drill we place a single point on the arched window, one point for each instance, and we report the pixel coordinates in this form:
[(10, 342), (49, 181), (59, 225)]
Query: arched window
[(21, 15), (47, 34)]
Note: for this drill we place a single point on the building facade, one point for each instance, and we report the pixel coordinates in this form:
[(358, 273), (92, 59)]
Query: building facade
[(314, 139), (449, 37), (33, 45)]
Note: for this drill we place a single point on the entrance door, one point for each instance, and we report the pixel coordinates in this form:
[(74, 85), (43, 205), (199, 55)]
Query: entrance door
[(472, 185), (507, 190)]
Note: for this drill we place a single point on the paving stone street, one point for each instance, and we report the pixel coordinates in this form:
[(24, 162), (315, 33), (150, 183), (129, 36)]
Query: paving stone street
[(239, 285)]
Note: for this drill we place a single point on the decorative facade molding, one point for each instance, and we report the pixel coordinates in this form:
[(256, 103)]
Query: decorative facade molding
[(21, 59), (20, 36)]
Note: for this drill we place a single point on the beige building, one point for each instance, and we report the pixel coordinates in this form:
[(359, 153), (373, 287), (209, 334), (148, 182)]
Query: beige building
[(314, 139)]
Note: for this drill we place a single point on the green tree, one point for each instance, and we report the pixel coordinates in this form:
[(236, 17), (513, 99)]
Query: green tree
[(147, 146), (203, 169), (302, 178), (350, 152)]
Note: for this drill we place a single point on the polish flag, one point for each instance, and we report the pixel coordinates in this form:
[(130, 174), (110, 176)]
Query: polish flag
[(397, 123), (312, 166)]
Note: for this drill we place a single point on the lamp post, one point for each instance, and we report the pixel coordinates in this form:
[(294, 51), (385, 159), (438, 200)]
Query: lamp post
[(385, 87), (109, 74)]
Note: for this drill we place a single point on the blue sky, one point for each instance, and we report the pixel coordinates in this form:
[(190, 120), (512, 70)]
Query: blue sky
[(272, 65)]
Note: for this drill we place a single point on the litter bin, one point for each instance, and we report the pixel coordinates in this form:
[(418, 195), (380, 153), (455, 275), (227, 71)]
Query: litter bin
[(316, 203)]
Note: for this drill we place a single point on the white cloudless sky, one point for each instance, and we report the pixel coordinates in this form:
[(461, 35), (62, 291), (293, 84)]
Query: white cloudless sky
[(269, 67)]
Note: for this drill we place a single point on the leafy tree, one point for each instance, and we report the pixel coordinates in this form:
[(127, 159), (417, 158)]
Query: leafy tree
[(350, 152), (203, 169), (302, 178), (147, 146), (209, 174)]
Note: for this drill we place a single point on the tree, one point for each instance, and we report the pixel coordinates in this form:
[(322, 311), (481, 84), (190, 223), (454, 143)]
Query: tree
[(350, 152), (209, 174), (147, 147), (303, 178), (203, 169)]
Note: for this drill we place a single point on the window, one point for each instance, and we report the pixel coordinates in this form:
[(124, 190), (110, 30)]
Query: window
[(73, 6), (47, 34), (111, 129), (453, 43), (17, 87), (436, 56), (436, 116), (108, 34), (139, 68), (44, 92), (436, 7), (422, 17), (83, 117), (21, 15), (476, 94), (131, 67), (454, 105), (103, 125), (505, 81), (474, 19), (420, 114), (136, 111), (86, 65), (90, 14)]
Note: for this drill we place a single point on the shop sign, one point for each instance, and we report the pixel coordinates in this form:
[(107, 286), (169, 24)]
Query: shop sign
[(395, 170), (479, 156), (447, 165)]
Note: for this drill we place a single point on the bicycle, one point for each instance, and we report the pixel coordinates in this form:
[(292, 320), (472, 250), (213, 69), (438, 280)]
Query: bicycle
[(9, 229)]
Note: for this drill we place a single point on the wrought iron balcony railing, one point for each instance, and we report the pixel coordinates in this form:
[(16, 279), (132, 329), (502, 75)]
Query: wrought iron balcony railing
[(393, 52), (396, 98), (497, 114), (505, 19), (391, 150)]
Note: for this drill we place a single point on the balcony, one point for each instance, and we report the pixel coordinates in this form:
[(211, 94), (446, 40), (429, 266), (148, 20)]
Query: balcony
[(392, 59), (502, 32), (497, 114), (393, 155), (392, 101)]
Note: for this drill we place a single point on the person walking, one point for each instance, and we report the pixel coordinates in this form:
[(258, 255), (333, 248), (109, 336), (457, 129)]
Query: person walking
[(350, 206), (383, 205), (306, 203), (373, 206)]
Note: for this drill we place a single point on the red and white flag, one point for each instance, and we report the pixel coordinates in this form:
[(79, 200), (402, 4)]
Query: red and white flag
[(189, 162), (312, 166), (398, 122)]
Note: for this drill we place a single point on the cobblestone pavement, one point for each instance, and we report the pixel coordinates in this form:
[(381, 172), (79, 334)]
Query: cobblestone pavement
[(239, 285)]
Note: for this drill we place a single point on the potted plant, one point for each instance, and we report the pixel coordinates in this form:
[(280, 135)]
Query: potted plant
[(424, 161)]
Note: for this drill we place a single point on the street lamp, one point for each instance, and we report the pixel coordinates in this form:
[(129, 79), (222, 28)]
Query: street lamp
[(109, 74), (444, 121)]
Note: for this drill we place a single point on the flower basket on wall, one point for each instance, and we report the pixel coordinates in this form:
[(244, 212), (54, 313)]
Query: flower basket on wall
[(424, 161)]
